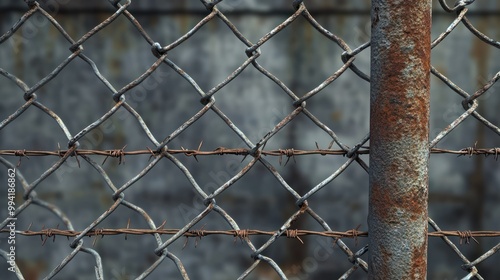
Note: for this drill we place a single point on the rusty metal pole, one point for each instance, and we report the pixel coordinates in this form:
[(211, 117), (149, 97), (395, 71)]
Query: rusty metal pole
[(399, 141)]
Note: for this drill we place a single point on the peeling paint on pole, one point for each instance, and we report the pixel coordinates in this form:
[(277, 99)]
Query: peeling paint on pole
[(399, 129)]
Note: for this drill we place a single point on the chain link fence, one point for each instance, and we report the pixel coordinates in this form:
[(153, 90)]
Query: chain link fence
[(165, 241)]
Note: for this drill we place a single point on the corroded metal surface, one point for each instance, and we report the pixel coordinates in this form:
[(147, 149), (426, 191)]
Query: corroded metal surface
[(399, 121)]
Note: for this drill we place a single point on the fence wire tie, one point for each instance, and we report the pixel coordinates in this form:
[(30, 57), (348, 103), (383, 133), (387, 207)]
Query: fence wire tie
[(156, 49), (20, 154), (210, 5), (353, 258), (118, 153), (471, 269), (293, 233), (466, 236), (303, 207), (296, 4), (458, 6), (360, 252), (30, 3)]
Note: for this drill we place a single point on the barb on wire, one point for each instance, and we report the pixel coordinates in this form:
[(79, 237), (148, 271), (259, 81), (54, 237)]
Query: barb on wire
[(120, 154), (293, 233)]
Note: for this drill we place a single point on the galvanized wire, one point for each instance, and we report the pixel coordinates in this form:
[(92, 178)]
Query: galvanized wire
[(158, 147)]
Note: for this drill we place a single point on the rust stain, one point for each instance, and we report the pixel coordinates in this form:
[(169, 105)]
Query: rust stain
[(389, 207), (401, 64), (384, 271), (419, 261), (391, 195), (381, 198)]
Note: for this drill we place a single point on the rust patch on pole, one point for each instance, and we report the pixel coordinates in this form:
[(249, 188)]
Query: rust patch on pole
[(399, 141)]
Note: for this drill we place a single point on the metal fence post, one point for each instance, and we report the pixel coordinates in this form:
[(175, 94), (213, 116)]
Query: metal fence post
[(399, 129)]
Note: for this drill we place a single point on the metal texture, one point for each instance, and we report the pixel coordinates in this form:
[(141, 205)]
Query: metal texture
[(399, 121), (399, 151)]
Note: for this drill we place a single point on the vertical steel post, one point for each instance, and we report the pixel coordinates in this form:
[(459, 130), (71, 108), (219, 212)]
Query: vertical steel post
[(399, 137)]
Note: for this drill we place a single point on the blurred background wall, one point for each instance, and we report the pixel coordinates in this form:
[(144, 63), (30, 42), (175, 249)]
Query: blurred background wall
[(464, 191)]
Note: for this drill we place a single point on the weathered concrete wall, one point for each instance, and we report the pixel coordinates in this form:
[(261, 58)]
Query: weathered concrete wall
[(302, 58)]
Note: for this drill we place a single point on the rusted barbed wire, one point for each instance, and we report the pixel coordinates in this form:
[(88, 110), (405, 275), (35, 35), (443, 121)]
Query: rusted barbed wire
[(120, 153), (289, 233)]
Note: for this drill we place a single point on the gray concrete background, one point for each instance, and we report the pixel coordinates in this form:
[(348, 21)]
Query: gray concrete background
[(464, 192)]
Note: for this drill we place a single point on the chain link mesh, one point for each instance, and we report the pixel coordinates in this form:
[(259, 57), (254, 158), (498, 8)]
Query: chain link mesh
[(158, 149)]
